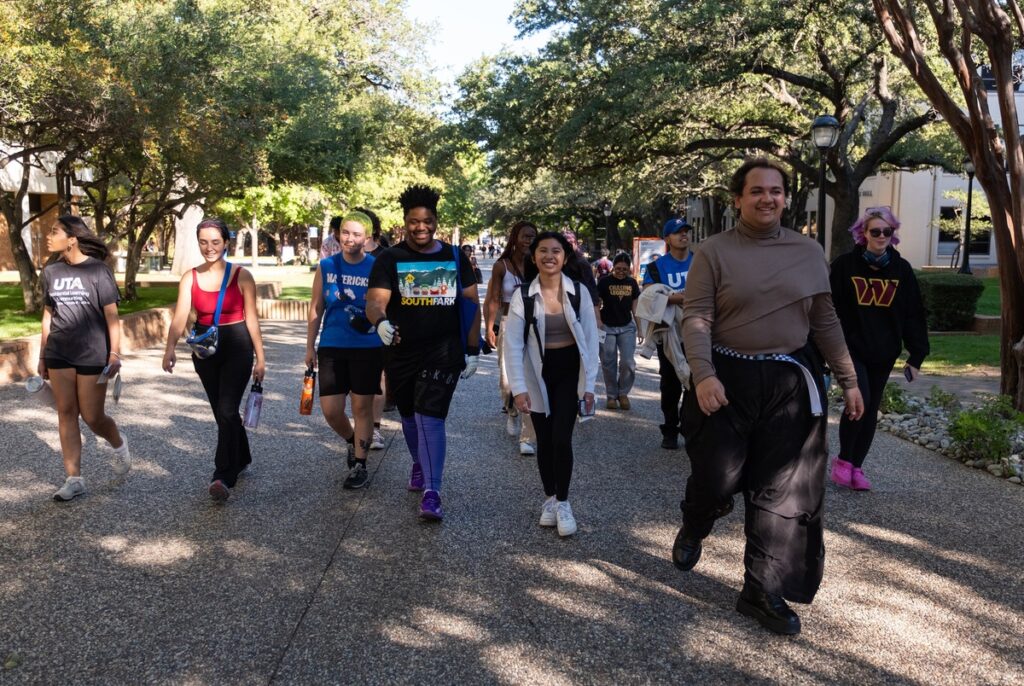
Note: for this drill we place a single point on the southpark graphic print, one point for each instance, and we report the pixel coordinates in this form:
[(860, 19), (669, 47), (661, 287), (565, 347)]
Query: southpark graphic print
[(427, 284)]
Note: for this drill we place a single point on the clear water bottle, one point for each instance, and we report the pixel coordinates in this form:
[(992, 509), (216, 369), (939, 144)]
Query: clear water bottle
[(253, 406)]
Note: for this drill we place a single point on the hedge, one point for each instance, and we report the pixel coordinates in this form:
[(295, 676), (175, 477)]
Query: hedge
[(950, 299)]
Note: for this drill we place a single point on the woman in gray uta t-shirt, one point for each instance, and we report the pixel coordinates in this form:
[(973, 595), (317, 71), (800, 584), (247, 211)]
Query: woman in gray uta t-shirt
[(80, 344)]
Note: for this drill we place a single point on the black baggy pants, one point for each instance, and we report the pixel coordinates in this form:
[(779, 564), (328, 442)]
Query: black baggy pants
[(767, 445), (561, 375), (225, 376)]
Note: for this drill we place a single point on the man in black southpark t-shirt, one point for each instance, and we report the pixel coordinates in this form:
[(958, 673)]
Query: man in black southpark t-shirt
[(414, 303)]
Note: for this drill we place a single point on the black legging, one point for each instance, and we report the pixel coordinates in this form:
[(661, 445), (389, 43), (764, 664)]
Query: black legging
[(225, 376), (554, 431), (671, 392), (855, 437)]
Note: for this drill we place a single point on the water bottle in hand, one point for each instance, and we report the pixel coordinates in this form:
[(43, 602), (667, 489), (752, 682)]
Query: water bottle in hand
[(253, 406)]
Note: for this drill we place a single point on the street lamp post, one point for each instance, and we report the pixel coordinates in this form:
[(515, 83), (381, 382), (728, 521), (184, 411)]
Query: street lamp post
[(606, 207), (965, 266), (825, 133)]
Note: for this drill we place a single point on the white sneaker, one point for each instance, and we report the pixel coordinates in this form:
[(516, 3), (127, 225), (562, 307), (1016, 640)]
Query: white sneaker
[(73, 486), (547, 512), (122, 459), (527, 448), (377, 442), (566, 522), (513, 424)]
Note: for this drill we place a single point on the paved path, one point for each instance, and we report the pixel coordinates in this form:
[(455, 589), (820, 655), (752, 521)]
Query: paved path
[(296, 581)]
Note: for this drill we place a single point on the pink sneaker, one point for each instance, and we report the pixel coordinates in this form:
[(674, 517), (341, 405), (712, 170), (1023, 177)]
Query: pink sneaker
[(842, 473), (859, 482)]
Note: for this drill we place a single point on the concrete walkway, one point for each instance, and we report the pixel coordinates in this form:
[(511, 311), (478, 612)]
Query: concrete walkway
[(294, 580)]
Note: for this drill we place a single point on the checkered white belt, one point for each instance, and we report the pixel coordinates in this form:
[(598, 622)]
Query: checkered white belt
[(812, 388)]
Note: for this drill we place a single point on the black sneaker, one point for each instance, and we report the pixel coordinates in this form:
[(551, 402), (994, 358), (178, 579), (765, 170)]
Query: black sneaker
[(350, 455), (357, 477), (670, 443)]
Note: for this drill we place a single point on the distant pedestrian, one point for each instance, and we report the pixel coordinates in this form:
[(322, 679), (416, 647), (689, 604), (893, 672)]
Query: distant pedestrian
[(879, 305), (757, 303), (602, 266), (239, 350), (551, 352), (80, 344), (671, 270), (350, 355), (468, 250), (507, 275), (618, 293), (330, 245), (416, 296)]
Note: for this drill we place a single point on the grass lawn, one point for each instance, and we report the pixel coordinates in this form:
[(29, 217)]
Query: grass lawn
[(989, 301), (14, 323), (953, 355), (296, 293)]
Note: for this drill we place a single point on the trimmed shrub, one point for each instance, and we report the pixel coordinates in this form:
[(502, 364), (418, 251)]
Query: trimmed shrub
[(950, 299)]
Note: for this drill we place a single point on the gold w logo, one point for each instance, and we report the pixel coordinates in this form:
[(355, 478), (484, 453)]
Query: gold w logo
[(879, 292)]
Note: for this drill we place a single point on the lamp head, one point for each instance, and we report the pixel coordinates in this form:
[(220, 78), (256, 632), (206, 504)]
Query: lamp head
[(825, 131)]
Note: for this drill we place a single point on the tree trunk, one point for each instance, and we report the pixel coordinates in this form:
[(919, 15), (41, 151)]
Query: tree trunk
[(11, 205), (846, 209)]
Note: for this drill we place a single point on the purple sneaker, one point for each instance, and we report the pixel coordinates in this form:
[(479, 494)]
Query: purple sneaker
[(416, 477), (430, 506)]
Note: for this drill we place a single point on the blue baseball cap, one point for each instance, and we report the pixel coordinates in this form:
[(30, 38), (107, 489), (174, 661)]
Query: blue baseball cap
[(674, 225)]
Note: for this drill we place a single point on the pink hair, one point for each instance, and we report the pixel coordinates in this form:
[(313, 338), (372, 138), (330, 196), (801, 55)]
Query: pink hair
[(857, 230)]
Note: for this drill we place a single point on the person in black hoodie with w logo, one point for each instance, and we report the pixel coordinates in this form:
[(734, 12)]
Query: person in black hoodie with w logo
[(879, 305)]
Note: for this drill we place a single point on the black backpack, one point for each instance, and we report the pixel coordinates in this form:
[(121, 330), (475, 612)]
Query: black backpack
[(652, 269), (531, 320)]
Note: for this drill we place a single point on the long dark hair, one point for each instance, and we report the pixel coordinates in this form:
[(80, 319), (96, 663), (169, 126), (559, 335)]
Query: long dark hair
[(88, 242), (570, 268), (513, 238)]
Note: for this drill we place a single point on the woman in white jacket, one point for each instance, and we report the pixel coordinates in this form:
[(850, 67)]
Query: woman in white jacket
[(552, 366)]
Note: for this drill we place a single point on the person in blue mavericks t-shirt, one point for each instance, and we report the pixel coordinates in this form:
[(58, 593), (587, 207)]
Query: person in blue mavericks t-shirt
[(671, 269), (350, 355)]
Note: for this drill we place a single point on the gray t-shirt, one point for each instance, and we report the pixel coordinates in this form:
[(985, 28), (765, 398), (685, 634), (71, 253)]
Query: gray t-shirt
[(76, 295)]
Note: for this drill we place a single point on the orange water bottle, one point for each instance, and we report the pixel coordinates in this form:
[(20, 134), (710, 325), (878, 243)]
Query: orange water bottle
[(306, 401)]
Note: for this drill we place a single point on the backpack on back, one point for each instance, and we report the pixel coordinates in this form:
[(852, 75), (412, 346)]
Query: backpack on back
[(530, 317)]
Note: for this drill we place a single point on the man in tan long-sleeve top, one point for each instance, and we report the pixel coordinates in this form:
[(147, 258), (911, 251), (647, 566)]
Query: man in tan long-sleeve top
[(758, 311)]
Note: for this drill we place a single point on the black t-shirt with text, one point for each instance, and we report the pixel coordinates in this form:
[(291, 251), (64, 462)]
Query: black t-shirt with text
[(76, 295), (617, 296), (423, 287)]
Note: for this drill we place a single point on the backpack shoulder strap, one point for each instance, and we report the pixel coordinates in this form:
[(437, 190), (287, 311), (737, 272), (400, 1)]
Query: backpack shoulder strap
[(529, 317), (574, 298), (652, 269)]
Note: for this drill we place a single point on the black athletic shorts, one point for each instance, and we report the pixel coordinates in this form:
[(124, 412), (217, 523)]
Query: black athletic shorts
[(350, 370), (80, 369), (423, 376)]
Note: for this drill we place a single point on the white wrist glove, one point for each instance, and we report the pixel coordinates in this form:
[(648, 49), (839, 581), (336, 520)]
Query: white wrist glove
[(386, 331), (472, 362)]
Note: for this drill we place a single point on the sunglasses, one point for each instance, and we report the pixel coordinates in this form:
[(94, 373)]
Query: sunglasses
[(875, 233)]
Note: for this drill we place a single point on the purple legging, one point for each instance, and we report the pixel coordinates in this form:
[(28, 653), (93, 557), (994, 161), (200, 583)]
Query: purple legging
[(425, 437)]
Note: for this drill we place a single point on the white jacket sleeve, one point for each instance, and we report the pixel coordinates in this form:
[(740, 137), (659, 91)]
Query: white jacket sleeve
[(592, 359), (513, 348)]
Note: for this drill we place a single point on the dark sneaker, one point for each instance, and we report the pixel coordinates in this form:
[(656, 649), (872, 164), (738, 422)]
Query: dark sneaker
[(219, 491), (416, 481), (430, 506), (357, 476), (670, 443)]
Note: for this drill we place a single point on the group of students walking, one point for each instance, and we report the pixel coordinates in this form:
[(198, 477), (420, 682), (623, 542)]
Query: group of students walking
[(747, 322)]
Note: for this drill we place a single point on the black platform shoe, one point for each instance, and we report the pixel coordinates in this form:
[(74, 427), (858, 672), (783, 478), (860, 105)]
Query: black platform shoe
[(686, 550), (770, 611)]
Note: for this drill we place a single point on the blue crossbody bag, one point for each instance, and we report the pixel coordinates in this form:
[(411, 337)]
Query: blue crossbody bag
[(204, 344)]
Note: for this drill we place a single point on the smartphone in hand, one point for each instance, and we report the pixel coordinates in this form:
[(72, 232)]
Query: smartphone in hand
[(907, 374)]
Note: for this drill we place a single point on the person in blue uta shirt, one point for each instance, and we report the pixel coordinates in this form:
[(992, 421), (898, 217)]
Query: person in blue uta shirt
[(350, 355), (671, 269)]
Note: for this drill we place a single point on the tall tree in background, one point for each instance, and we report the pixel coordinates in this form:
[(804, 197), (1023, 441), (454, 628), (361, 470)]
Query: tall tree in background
[(971, 34)]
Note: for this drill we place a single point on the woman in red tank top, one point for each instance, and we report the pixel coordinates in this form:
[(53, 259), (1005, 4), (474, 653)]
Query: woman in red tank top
[(226, 373)]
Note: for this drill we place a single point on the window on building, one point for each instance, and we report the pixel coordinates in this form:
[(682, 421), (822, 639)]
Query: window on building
[(35, 203), (949, 224)]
